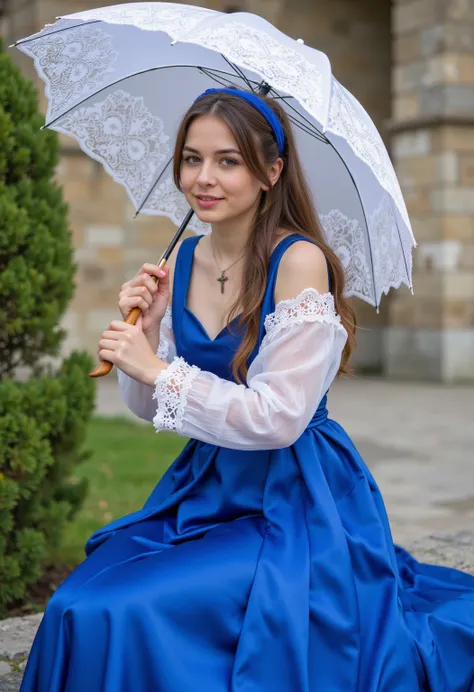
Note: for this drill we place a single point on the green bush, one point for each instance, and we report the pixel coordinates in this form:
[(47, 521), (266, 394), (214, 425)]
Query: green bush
[(43, 418)]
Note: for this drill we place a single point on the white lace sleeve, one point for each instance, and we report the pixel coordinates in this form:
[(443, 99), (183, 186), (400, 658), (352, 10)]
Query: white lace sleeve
[(297, 361), (139, 396)]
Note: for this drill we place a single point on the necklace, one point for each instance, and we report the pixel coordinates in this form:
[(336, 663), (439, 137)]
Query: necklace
[(223, 278)]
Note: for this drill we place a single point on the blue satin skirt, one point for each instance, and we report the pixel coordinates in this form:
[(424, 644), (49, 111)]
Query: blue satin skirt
[(257, 572)]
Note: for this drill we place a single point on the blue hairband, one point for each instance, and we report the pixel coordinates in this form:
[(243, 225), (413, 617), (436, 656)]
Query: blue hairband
[(261, 106)]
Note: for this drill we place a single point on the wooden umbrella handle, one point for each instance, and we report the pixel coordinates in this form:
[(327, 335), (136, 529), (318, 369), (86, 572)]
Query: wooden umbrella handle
[(105, 366)]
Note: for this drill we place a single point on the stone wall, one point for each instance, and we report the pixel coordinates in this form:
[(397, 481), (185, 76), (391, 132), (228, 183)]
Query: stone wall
[(431, 335), (110, 245)]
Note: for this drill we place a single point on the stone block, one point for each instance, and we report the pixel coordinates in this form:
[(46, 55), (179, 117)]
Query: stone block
[(408, 77), (441, 69), (458, 360), (466, 68), (467, 258), (433, 39), (413, 354), (458, 314), (427, 227), (460, 10), (410, 16), (459, 285), (453, 137), (105, 236), (467, 169), (111, 256), (406, 48), (98, 319), (368, 355), (448, 100), (76, 167), (448, 68), (428, 170), (448, 167), (414, 143), (417, 171), (458, 227), (443, 255), (458, 200), (417, 200), (427, 285), (406, 106)]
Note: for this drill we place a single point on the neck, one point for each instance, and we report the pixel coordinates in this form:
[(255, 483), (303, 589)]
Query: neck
[(229, 238)]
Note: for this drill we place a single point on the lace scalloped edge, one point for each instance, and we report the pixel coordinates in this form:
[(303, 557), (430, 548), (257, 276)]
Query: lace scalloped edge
[(172, 387), (308, 306)]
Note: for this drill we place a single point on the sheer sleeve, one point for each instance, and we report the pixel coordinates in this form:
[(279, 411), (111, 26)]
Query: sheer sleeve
[(138, 396), (297, 361)]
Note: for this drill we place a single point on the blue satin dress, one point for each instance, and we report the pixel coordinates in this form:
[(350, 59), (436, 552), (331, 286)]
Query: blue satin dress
[(255, 571)]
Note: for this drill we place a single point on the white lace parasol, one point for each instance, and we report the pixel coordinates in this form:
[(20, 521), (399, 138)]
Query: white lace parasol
[(119, 80)]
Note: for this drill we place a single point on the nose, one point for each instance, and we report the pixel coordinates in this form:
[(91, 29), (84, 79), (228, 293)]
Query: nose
[(206, 175)]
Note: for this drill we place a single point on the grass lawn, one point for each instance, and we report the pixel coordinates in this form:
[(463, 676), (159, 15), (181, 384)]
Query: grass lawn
[(127, 461)]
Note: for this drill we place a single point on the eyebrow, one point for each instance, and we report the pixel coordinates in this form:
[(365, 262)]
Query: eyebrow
[(219, 151)]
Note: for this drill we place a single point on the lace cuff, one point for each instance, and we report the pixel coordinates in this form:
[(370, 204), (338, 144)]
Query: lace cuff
[(308, 306), (171, 391)]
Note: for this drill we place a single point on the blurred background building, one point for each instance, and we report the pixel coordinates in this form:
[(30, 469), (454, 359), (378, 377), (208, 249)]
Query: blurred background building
[(411, 64)]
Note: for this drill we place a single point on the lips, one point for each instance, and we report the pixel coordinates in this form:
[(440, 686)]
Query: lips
[(207, 201)]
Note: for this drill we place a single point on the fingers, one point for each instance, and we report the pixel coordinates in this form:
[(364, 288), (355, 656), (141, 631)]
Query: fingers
[(143, 296), (108, 344)]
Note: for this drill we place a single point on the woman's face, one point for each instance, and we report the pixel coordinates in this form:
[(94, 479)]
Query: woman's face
[(214, 178)]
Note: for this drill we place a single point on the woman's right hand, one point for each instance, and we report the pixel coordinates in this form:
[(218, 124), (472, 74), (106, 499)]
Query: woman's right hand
[(152, 299)]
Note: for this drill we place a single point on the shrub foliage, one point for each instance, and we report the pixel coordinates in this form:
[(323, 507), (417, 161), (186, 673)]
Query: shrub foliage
[(44, 408)]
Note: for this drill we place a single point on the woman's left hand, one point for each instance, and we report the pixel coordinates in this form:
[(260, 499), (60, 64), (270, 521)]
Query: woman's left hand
[(126, 346)]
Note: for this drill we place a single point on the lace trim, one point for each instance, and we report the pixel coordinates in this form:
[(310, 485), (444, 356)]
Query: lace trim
[(164, 345), (168, 318), (308, 306), (171, 392), (163, 348)]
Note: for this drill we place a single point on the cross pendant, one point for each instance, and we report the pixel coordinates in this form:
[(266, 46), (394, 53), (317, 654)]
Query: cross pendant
[(222, 279)]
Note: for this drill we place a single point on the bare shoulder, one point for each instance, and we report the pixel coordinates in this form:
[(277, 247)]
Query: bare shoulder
[(303, 265)]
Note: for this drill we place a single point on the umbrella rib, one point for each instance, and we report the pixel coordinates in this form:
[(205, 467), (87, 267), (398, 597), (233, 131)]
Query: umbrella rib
[(122, 79), (317, 135), (365, 218), (208, 73), (410, 283), (239, 71), (21, 42), (142, 204), (308, 122)]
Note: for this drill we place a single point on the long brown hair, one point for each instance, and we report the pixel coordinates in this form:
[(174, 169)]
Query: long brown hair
[(286, 205)]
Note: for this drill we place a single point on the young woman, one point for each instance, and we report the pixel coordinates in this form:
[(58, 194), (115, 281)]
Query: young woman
[(263, 560)]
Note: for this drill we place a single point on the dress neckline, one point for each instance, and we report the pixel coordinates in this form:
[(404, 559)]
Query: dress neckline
[(225, 329)]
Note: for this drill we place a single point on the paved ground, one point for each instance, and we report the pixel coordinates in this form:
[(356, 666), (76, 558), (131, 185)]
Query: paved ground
[(417, 439)]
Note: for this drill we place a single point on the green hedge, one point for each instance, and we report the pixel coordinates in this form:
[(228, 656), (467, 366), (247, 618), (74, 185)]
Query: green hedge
[(43, 413)]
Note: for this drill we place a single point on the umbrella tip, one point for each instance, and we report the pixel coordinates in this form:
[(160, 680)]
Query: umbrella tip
[(13, 45)]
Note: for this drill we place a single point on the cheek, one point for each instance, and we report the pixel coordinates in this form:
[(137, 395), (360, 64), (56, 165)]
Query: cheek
[(243, 185), (186, 179)]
